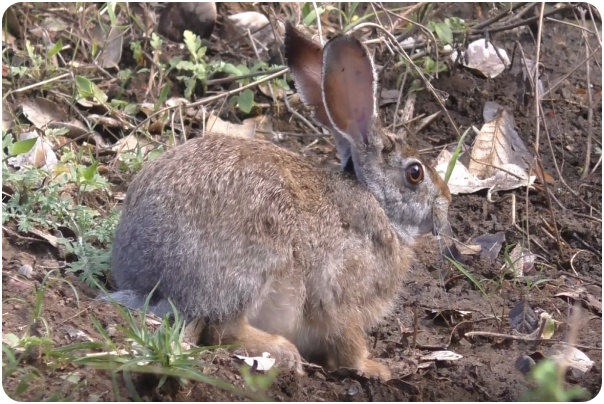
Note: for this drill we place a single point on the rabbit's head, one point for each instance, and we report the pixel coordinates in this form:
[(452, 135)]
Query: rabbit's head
[(339, 82)]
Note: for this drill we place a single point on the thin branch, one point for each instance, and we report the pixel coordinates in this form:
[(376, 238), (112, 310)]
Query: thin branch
[(537, 94), (590, 109), (208, 100)]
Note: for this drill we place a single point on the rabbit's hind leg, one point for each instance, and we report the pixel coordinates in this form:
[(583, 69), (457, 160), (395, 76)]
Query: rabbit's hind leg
[(349, 350), (254, 341)]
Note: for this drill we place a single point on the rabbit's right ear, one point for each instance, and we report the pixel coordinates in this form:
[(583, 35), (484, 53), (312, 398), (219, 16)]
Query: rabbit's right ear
[(349, 89), (305, 60)]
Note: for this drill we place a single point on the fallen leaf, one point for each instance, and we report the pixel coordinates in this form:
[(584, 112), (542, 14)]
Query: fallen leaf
[(218, 126), (523, 261), (111, 52), (441, 356), (490, 245), (41, 111), (523, 318), (41, 154), (260, 363), (483, 58), (567, 355), (132, 143), (581, 295)]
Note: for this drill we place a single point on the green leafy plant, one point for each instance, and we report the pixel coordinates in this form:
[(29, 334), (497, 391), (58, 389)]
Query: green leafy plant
[(54, 200), (550, 386)]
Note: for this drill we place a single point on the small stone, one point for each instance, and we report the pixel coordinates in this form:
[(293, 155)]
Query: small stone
[(26, 271), (111, 331)]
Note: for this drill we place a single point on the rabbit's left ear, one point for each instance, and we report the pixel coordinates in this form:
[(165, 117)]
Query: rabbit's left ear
[(349, 88)]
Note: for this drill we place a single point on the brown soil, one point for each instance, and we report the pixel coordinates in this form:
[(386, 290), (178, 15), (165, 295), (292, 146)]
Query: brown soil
[(486, 371)]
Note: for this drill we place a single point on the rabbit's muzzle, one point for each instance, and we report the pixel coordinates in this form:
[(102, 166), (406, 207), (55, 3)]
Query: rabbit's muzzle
[(438, 222)]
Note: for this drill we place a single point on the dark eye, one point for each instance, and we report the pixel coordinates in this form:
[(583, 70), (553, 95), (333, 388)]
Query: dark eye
[(414, 173)]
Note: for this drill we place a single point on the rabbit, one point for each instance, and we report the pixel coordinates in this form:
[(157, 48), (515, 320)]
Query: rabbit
[(266, 250)]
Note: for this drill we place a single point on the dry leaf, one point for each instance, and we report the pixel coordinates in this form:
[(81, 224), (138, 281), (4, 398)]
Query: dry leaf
[(132, 143), (491, 148), (484, 58), (41, 154), (111, 52), (441, 356), (570, 356), (41, 112), (260, 363), (218, 126)]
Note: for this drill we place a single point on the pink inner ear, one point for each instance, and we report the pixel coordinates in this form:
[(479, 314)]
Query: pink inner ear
[(305, 58), (348, 85)]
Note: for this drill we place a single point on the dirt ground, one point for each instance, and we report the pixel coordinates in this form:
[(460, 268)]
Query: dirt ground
[(486, 371)]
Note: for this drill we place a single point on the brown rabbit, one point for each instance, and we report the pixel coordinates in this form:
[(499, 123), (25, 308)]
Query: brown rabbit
[(269, 251)]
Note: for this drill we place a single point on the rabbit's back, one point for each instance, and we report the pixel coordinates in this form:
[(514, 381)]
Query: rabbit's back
[(227, 225)]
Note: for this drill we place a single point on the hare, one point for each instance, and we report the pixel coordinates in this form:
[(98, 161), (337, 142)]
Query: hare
[(270, 252)]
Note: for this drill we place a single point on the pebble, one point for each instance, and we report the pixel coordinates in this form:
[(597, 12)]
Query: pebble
[(26, 271)]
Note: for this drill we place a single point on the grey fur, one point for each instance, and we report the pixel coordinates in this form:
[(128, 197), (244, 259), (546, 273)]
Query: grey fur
[(243, 229)]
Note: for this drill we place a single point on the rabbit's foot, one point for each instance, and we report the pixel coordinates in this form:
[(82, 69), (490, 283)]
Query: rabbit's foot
[(256, 341), (372, 369)]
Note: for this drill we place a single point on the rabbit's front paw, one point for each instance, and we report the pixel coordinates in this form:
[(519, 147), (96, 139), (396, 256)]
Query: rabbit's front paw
[(286, 354), (373, 369)]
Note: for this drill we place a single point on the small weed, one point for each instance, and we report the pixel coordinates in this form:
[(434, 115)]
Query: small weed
[(550, 386), (468, 275), (54, 200)]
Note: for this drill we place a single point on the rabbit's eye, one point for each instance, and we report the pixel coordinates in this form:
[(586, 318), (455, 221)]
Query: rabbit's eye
[(415, 173)]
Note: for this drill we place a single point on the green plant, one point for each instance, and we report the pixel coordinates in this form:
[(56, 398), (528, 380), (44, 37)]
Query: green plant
[(160, 351), (550, 386), (468, 275), (51, 200)]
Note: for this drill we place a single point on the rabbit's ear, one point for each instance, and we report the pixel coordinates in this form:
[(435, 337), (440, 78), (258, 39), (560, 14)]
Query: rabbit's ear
[(305, 59), (349, 88)]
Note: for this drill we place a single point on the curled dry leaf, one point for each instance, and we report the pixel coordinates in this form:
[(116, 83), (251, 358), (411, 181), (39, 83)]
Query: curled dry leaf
[(44, 114), (498, 158), (483, 58), (523, 261), (581, 295)]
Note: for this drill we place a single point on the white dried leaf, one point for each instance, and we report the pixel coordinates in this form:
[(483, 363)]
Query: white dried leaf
[(483, 58), (441, 356), (463, 182), (260, 363), (523, 261), (41, 154)]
